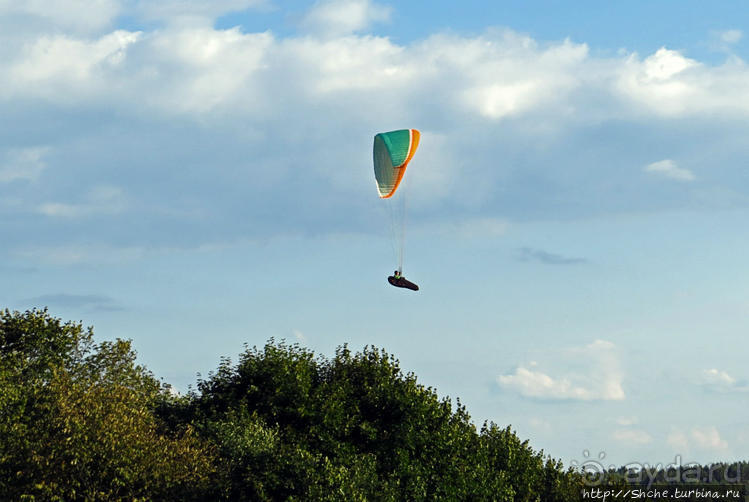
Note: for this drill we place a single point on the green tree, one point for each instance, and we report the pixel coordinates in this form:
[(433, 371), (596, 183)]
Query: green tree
[(292, 426), (77, 419), (81, 420)]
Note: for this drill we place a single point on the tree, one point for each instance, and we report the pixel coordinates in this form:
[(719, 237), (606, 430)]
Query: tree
[(81, 420), (292, 426), (77, 419)]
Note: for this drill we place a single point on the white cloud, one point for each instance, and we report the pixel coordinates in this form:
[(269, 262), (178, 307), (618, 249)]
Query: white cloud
[(627, 421), (62, 210), (197, 13), (22, 164), (86, 16), (661, 82), (597, 377), (493, 107), (73, 254), (78, 15), (64, 69), (340, 17), (209, 69), (635, 436), (537, 384), (668, 168), (349, 64), (664, 65), (195, 69), (717, 377), (731, 36), (540, 424), (100, 200), (511, 75), (725, 41), (668, 84), (720, 381), (704, 440), (708, 438)]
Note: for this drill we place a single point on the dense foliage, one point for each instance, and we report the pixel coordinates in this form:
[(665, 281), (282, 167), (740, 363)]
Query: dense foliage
[(82, 421), (294, 427), (77, 422)]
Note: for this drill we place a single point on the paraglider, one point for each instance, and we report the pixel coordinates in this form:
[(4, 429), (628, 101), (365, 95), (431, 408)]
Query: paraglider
[(392, 152)]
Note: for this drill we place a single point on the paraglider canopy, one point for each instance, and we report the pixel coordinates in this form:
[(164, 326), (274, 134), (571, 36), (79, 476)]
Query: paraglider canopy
[(392, 152)]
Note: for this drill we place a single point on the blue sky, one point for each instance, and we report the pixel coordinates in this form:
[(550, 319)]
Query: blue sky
[(198, 176)]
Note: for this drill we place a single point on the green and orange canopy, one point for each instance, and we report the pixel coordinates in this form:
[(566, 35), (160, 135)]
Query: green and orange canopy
[(392, 152)]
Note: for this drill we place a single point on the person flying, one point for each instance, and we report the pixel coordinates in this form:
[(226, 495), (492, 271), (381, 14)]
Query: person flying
[(399, 281)]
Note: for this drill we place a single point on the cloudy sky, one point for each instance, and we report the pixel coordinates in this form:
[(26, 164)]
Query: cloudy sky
[(198, 175)]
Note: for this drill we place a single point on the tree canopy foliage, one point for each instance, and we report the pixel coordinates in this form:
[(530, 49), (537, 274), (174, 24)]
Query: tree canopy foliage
[(292, 426), (81, 420), (77, 421)]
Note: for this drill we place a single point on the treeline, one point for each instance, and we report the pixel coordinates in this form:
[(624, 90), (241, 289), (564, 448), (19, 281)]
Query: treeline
[(719, 473), (81, 420)]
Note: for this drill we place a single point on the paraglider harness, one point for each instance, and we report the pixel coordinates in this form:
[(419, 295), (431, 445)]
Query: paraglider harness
[(399, 281)]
